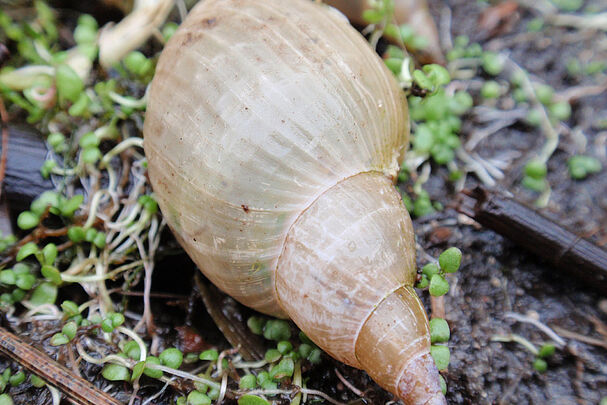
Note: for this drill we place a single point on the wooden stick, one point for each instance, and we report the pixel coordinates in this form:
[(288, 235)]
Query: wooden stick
[(80, 391), (25, 152), (234, 330), (5, 135), (565, 250)]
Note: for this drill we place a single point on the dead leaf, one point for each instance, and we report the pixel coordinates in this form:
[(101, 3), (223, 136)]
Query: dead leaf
[(498, 19), (414, 13)]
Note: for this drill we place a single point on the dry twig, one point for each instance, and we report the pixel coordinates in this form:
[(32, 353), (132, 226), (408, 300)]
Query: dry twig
[(80, 391)]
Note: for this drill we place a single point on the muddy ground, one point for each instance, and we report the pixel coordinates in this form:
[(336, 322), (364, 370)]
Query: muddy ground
[(498, 276)]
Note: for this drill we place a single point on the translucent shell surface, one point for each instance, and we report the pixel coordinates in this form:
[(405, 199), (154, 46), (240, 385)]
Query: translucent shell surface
[(273, 133), (257, 108)]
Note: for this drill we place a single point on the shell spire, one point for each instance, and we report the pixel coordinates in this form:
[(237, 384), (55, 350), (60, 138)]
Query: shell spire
[(345, 277), (272, 133)]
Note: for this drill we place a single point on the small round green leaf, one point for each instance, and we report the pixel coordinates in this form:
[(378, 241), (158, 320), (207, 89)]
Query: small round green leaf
[(70, 308), (284, 346), (27, 220), (198, 398), (536, 169), (491, 89), (150, 372), (441, 356), (247, 382), (17, 378), (547, 350), (6, 399), (107, 326), (51, 274), (8, 277), (76, 234), (438, 286), (117, 319), (209, 355), (423, 282), (276, 329), (540, 365), (132, 350), (443, 384), (26, 250), (171, 357), (45, 293), (315, 356), (272, 355), (36, 381), (430, 269), (25, 281), (115, 372), (283, 369), (138, 370), (439, 330), (69, 330), (256, 324), (71, 206), (450, 260), (252, 400), (69, 84), (59, 339)]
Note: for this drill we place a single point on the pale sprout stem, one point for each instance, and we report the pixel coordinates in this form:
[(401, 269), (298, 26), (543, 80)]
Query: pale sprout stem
[(108, 276), (148, 265), (101, 272), (518, 339), (559, 341), (297, 380), (133, 229), (422, 178), (244, 364), (127, 102), (55, 394), (185, 375), (130, 364), (222, 390), (551, 134), (93, 209), (112, 358), (46, 309), (348, 384), (133, 212), (305, 391), (137, 339), (121, 147), (79, 267)]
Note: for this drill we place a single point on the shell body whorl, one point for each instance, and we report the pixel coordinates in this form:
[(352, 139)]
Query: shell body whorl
[(261, 113), (256, 109)]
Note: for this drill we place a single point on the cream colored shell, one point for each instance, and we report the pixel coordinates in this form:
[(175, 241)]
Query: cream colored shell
[(273, 133), (263, 106)]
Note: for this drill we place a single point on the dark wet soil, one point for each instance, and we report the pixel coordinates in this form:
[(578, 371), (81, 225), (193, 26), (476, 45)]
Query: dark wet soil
[(498, 276)]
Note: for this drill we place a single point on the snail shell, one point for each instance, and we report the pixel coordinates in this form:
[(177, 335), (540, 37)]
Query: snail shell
[(273, 132)]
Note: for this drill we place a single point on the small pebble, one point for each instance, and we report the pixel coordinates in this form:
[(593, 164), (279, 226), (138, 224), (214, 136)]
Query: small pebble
[(495, 282), (603, 306)]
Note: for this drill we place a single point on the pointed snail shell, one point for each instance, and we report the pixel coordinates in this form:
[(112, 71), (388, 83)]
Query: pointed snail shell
[(272, 132)]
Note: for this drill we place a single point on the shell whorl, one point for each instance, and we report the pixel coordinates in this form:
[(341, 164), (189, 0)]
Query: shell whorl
[(257, 108), (345, 277), (349, 250)]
